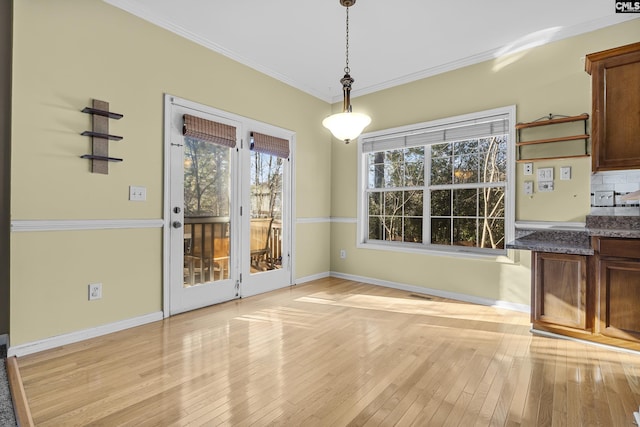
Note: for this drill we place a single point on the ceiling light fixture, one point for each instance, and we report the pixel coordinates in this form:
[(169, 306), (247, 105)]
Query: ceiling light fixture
[(346, 125)]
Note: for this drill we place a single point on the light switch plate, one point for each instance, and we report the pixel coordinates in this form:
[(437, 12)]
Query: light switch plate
[(137, 194), (604, 198), (545, 174), (545, 186), (565, 173), (528, 187)]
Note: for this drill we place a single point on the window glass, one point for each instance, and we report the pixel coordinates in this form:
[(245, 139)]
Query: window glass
[(442, 193)]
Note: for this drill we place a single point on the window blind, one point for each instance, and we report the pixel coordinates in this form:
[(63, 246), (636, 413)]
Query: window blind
[(268, 144), (449, 132), (208, 130)]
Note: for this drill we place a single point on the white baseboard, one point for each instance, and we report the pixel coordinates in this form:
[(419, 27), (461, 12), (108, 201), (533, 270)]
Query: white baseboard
[(311, 278), (70, 338), (4, 339), (523, 308)]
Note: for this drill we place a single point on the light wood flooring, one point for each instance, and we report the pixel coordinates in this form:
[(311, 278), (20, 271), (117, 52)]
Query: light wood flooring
[(333, 353)]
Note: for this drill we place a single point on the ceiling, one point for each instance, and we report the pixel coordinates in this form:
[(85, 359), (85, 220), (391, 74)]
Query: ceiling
[(391, 42)]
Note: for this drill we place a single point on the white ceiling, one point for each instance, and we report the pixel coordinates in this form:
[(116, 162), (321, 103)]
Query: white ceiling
[(391, 42)]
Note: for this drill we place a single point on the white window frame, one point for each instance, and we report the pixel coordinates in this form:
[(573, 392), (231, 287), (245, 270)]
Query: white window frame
[(458, 251)]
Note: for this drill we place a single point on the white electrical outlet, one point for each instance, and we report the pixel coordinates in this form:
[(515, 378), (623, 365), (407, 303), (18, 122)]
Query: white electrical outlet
[(343, 253), (545, 174), (545, 186), (565, 173), (95, 291), (528, 187), (137, 194), (528, 168)]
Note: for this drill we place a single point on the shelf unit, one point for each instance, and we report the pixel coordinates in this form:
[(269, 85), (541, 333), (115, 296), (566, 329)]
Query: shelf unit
[(552, 120), (100, 136)]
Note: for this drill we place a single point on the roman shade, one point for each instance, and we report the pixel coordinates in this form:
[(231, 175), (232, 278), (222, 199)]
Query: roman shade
[(268, 144), (434, 134), (208, 130)]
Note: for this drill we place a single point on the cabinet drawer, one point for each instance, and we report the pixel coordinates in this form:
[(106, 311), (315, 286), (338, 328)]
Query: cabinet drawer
[(623, 248)]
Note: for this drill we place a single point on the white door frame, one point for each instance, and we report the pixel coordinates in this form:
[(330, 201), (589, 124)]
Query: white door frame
[(246, 124)]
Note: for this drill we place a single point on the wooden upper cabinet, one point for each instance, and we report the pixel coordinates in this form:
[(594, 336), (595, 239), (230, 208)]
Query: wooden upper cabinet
[(615, 121)]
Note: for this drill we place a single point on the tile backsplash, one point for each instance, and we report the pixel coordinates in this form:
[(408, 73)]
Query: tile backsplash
[(616, 183)]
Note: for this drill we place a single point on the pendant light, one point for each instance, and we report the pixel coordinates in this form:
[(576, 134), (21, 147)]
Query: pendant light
[(346, 125)]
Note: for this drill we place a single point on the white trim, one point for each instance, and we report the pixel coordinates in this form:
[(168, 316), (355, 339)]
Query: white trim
[(523, 308), (312, 220), (311, 278), (83, 224), (4, 339), (166, 206), (343, 220), (445, 251), (568, 338), (73, 337), (509, 206), (550, 225), (243, 125)]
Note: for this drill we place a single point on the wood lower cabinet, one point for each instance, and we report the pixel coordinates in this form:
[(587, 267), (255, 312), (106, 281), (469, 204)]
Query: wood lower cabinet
[(560, 296), (619, 288)]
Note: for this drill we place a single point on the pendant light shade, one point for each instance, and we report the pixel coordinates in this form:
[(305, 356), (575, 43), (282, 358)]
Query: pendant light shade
[(347, 125)]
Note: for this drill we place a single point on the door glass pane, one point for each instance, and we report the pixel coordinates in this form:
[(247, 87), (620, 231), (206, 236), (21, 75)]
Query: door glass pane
[(266, 212), (207, 180)]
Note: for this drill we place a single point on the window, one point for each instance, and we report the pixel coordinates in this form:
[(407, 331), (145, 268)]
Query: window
[(443, 185)]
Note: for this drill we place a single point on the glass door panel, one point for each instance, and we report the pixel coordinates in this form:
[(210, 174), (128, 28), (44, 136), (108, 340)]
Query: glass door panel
[(202, 233), (207, 230), (266, 212)]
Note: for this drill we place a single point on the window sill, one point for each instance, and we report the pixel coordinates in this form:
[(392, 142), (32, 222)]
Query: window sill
[(499, 256)]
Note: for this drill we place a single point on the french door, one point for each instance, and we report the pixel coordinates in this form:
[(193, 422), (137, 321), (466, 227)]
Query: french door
[(227, 207)]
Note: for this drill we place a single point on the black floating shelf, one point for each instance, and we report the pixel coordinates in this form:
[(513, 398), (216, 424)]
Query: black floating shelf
[(101, 135), (104, 113), (108, 159)]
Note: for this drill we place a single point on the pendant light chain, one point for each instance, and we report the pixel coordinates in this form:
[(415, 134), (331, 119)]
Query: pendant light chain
[(346, 68)]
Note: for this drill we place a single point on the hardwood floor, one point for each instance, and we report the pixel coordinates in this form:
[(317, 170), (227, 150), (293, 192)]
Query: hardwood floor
[(333, 353)]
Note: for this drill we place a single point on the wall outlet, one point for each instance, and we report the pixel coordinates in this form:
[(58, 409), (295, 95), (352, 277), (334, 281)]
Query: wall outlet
[(545, 174), (137, 194), (343, 253), (95, 291), (565, 173), (528, 187), (528, 168)]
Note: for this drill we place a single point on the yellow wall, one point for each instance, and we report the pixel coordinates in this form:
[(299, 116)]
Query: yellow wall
[(66, 53), (548, 79)]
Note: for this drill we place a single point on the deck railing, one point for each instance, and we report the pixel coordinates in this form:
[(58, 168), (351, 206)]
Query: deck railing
[(207, 244)]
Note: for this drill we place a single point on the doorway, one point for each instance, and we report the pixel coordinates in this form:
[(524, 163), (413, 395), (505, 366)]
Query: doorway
[(227, 206)]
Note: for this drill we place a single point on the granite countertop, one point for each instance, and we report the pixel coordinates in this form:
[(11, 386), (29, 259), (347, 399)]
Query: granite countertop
[(578, 241), (627, 226), (555, 241)]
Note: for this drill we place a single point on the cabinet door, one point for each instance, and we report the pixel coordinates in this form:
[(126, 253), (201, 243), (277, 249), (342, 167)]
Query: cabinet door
[(616, 108), (560, 290), (620, 299)]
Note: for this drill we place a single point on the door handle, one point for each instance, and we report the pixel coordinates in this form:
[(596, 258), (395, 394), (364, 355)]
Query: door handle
[(176, 224)]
